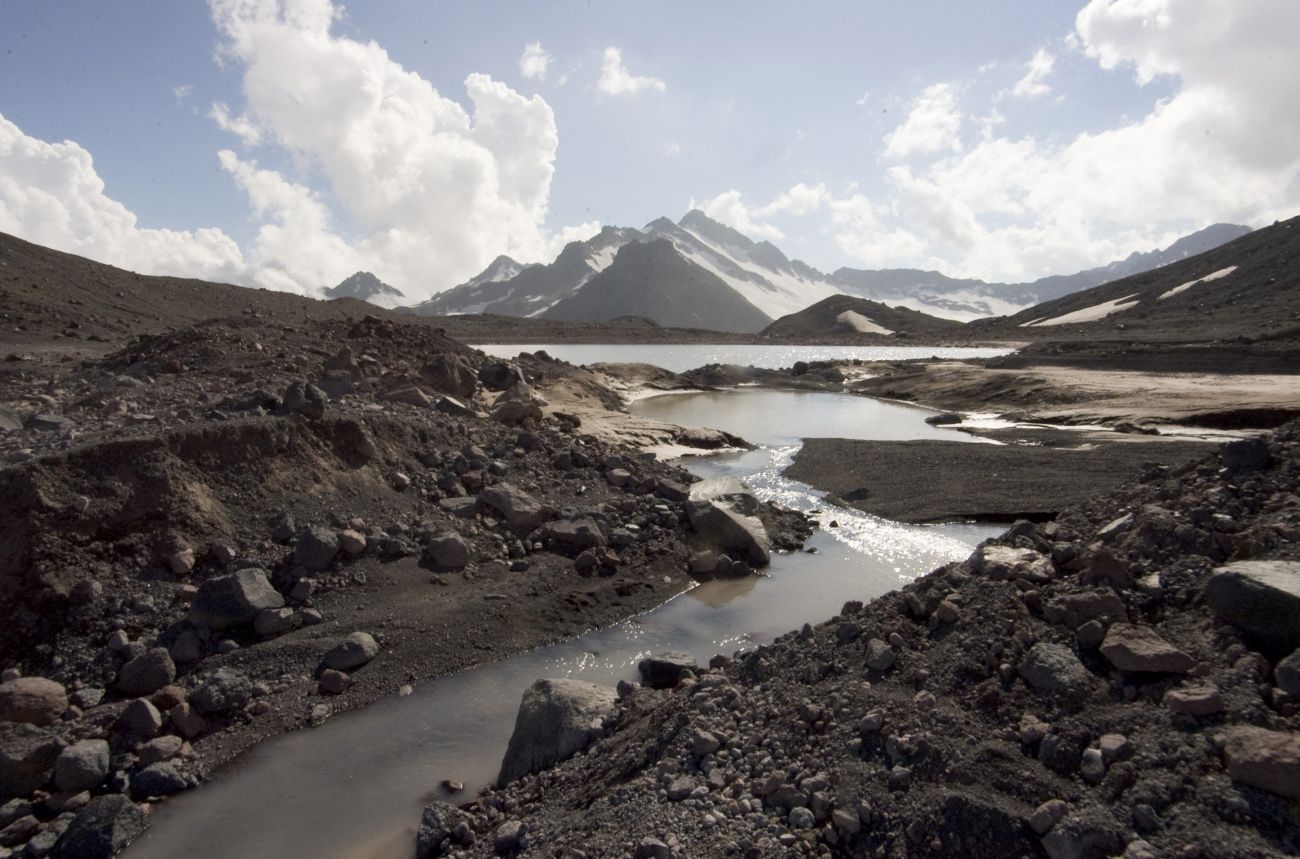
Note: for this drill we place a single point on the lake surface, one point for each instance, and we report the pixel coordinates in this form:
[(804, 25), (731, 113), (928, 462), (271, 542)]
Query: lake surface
[(682, 357), (354, 787)]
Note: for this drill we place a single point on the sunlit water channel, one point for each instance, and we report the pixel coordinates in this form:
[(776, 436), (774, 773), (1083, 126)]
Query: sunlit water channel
[(354, 787)]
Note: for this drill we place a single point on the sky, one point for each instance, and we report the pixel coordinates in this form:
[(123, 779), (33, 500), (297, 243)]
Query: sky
[(289, 143)]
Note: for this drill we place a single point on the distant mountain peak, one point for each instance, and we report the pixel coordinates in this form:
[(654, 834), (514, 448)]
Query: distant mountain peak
[(366, 287)]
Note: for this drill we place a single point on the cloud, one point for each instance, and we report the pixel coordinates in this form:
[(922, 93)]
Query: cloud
[(672, 149), (534, 62), (1036, 71), (933, 125), (1225, 146), (182, 92), (51, 194), (615, 79), (240, 126), (730, 208), (432, 191)]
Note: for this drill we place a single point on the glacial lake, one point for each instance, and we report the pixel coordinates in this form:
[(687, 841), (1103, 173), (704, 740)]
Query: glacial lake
[(679, 358), (354, 787)]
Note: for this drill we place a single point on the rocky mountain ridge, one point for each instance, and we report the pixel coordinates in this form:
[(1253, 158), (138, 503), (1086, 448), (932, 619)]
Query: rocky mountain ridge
[(777, 285)]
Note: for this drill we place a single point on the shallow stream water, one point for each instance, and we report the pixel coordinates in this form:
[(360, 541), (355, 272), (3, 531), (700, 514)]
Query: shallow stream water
[(354, 787)]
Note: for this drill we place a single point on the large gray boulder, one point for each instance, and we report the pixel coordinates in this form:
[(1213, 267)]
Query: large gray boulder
[(556, 718), (102, 828), (517, 405), (1054, 668), (81, 766), (32, 700), (233, 600), (740, 536), (353, 651), (447, 551), (27, 755), (147, 673), (451, 374), (1261, 598), (522, 512), (225, 691), (316, 548), (574, 533)]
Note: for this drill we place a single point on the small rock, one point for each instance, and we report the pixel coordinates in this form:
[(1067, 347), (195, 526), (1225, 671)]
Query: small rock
[(880, 656), (161, 779), (1130, 647), (352, 652), (332, 682), (1195, 700), (187, 721), (316, 548), (160, 749), (507, 836), (140, 720), (1054, 668), (225, 691), (665, 670), (1047, 815)]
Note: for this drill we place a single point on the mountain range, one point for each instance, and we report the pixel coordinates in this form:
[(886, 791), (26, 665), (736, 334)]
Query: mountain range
[(740, 285)]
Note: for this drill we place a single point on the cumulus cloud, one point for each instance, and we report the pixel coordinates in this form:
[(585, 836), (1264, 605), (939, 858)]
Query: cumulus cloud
[(932, 125), (1225, 146), (534, 61), (51, 194), (1036, 71), (615, 79), (731, 209), (240, 126), (433, 191)]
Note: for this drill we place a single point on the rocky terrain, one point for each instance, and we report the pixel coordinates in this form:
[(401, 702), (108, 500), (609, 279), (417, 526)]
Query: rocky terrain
[(1121, 681), (219, 531)]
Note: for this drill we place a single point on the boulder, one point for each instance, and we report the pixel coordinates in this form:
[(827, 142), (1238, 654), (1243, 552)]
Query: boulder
[(1076, 609), (1130, 647), (227, 690), (556, 718), (1246, 454), (1288, 674), (522, 512), (232, 600), (315, 549), (1268, 760), (575, 533), (1054, 668), (725, 489), (274, 621), (500, 375), (441, 826), (518, 404), (304, 398), (81, 766), (451, 374), (1261, 598), (147, 673), (1007, 562), (160, 779), (140, 720), (740, 536), (32, 700), (447, 551), (102, 828), (665, 670), (410, 395), (352, 652), (1195, 700), (27, 755)]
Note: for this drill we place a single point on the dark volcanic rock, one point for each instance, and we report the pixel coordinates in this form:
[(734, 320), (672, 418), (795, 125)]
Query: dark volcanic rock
[(234, 599), (101, 829), (1262, 598)]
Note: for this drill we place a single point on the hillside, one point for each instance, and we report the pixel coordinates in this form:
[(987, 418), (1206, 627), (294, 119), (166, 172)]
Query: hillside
[(684, 294), (853, 319), (46, 294), (1247, 288)]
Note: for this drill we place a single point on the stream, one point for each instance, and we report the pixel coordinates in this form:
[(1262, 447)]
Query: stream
[(354, 787)]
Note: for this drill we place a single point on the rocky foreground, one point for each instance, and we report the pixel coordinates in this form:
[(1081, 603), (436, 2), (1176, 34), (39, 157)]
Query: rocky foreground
[(241, 527), (1122, 681)]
